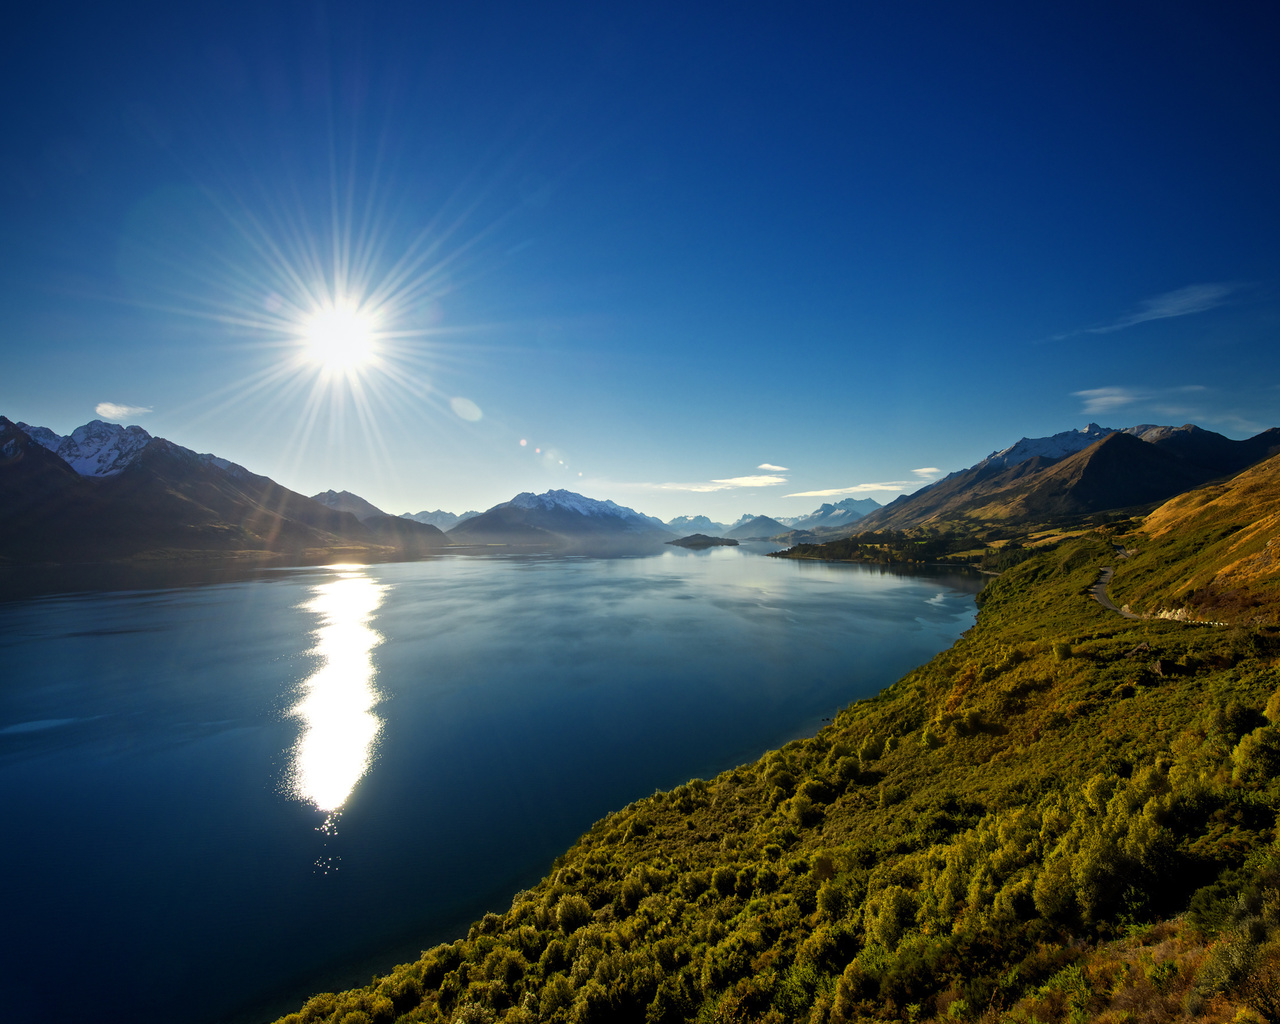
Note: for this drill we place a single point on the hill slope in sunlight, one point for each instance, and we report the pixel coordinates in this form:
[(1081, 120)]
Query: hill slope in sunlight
[(1069, 815)]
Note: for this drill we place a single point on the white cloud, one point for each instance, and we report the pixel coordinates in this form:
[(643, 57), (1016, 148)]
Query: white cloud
[(927, 473), (727, 484), (112, 411), (773, 469), (1194, 298), (1101, 401), (897, 485)]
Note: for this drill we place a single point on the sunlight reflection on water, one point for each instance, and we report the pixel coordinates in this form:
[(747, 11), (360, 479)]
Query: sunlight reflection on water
[(336, 709)]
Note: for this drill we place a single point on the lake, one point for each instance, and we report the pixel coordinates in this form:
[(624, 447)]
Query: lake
[(220, 798)]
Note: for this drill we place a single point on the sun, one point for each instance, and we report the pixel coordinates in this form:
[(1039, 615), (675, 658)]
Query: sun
[(340, 337)]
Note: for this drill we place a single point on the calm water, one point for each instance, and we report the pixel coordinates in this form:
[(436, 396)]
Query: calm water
[(217, 799)]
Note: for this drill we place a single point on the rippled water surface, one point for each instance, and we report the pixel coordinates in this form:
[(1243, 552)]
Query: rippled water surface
[(219, 798)]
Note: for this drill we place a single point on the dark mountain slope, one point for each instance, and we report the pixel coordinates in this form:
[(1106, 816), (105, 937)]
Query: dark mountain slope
[(1215, 454), (1120, 471), (169, 500), (32, 478)]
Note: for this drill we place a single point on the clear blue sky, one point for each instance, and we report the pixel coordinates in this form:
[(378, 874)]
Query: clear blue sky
[(664, 245)]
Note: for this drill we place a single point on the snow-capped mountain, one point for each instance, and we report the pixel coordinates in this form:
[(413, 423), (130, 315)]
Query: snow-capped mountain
[(100, 449), (1056, 446), (345, 501), (440, 519), (95, 449), (558, 518), (839, 513), (583, 506)]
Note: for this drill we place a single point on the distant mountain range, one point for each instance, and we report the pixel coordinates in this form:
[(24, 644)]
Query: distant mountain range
[(1077, 473), (440, 519), (756, 528), (560, 518), (827, 515)]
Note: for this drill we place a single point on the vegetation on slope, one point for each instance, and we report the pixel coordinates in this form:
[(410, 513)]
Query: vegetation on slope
[(1067, 816)]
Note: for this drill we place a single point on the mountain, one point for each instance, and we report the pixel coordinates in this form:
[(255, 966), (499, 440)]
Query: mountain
[(560, 518), (695, 524), (1125, 469), (440, 519), (756, 528), (829, 514), (100, 449), (143, 497), (1056, 446), (345, 501)]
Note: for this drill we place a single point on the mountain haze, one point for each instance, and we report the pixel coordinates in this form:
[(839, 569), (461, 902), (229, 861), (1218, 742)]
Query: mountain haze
[(440, 519)]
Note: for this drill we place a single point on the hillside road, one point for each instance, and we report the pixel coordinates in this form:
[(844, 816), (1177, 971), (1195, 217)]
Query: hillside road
[(1099, 594)]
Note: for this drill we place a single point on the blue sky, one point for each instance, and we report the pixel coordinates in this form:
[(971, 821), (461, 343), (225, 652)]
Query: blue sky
[(713, 258)]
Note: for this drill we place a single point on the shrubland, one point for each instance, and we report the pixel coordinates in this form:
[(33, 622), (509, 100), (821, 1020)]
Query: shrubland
[(1067, 816)]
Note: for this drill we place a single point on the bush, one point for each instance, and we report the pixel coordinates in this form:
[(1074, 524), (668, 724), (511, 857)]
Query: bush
[(572, 912), (1256, 758)]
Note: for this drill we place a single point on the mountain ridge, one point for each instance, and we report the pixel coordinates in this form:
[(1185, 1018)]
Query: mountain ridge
[(1134, 468)]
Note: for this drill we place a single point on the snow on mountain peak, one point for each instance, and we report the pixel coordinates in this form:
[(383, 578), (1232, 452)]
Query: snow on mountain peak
[(94, 449), (1057, 446), (104, 449), (562, 499)]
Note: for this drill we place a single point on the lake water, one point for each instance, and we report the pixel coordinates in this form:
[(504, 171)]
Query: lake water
[(217, 799)]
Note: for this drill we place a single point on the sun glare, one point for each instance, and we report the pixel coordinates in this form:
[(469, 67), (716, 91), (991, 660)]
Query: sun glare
[(340, 338)]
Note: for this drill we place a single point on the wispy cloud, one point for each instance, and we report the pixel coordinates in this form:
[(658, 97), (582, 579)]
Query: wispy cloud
[(1101, 401), (112, 411), (726, 484), (773, 469), (927, 473), (831, 492), (1194, 298)]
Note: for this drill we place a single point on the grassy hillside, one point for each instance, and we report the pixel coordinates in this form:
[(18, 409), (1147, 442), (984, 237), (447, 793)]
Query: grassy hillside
[(1067, 816), (1213, 553)]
